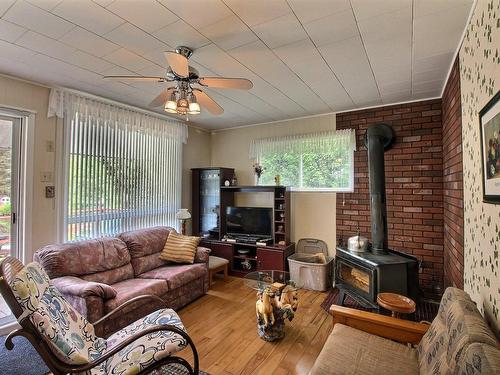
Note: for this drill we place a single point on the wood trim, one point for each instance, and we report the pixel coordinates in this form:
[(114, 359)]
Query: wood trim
[(403, 331)]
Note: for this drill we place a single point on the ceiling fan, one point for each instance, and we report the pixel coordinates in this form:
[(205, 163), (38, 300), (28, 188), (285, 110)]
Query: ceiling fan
[(183, 98)]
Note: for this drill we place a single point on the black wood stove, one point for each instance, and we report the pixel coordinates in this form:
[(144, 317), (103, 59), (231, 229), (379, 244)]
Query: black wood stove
[(362, 275)]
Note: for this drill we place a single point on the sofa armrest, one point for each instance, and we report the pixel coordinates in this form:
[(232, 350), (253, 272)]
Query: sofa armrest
[(202, 255), (403, 331), (77, 287)]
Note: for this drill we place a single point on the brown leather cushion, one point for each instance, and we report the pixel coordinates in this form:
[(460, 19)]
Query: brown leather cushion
[(128, 289), (350, 351), (177, 275)]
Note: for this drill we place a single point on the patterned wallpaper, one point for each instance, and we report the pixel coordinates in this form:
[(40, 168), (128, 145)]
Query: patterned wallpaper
[(480, 80)]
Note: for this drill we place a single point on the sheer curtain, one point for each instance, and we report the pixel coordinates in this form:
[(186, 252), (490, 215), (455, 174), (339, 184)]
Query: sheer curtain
[(122, 168)]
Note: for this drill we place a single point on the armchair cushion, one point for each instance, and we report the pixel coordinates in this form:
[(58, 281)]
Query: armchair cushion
[(177, 275), (69, 334), (351, 351), (75, 286), (146, 350)]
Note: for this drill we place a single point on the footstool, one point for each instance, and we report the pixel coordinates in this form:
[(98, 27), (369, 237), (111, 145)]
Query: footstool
[(215, 265)]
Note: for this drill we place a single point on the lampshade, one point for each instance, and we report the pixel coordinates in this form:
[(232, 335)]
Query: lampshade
[(171, 104), (183, 214)]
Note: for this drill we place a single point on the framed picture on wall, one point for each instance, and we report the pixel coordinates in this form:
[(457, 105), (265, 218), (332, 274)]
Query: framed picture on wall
[(489, 122)]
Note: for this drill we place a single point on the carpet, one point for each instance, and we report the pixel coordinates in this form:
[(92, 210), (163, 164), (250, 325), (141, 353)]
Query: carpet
[(426, 310), (32, 363)]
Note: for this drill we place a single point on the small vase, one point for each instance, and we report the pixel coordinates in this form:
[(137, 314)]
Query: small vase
[(257, 179)]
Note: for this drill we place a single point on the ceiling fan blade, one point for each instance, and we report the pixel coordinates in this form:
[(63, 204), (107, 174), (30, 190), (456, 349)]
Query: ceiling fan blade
[(137, 78), (161, 99), (178, 63), (208, 103), (226, 83)]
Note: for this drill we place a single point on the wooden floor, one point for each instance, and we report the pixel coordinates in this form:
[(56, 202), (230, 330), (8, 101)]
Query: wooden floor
[(222, 325)]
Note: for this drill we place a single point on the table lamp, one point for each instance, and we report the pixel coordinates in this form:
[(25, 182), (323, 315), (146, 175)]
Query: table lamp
[(183, 215)]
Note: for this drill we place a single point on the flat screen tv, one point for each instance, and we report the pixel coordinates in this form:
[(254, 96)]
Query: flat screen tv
[(251, 221)]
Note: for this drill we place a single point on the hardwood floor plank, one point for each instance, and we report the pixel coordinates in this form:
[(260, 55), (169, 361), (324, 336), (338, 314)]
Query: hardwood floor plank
[(223, 327)]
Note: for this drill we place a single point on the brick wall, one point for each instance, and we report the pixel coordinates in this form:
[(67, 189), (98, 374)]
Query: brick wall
[(453, 182), (414, 184)]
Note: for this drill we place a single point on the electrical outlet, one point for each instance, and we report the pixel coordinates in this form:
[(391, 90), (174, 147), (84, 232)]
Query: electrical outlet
[(46, 177), (49, 146), (50, 191)]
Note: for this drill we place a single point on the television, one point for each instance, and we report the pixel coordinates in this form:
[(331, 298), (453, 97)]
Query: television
[(249, 221)]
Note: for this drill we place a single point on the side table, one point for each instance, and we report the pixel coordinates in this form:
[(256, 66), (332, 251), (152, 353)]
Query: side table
[(396, 303)]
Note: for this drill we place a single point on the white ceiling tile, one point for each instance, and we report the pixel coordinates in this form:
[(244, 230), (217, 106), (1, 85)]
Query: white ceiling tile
[(103, 3), (349, 62), (47, 46), (87, 61), (427, 86), (48, 5), (395, 97), (229, 33), (198, 13), (389, 88), (280, 31), (135, 40), (259, 11), (445, 36), (89, 42), (366, 9), (15, 52), (441, 61), (4, 5), (392, 25), (88, 15), (426, 7), (308, 11), (60, 67), (394, 74), (332, 28), (149, 15), (10, 31), (36, 19), (127, 60), (429, 75), (180, 33), (304, 59)]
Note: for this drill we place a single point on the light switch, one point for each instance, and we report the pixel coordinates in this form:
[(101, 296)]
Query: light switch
[(49, 146), (46, 177)]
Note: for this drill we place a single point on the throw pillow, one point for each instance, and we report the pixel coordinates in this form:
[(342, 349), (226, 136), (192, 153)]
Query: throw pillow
[(180, 248)]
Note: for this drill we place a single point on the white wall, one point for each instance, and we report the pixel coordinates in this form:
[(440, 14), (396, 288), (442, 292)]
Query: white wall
[(313, 214)]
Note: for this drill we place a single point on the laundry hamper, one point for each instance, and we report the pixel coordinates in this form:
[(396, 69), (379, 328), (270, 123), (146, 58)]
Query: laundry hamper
[(305, 268)]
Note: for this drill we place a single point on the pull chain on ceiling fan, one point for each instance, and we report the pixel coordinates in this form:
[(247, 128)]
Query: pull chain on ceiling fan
[(183, 98)]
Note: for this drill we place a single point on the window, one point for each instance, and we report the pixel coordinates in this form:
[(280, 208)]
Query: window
[(308, 162), (122, 169)]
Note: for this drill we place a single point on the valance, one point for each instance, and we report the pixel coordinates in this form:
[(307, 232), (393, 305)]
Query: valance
[(65, 103), (319, 142)]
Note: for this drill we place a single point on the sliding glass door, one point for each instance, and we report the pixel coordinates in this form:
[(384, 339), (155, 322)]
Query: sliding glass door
[(10, 147)]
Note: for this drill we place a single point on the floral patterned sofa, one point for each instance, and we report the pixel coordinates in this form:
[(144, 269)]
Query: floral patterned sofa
[(98, 275), (457, 342)]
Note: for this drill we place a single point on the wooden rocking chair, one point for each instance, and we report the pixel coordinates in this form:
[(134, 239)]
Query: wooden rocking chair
[(66, 340)]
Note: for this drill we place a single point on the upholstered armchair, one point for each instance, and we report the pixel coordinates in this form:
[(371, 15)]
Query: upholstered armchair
[(67, 341)]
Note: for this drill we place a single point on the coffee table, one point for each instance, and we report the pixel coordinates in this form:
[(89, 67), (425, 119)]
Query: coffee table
[(277, 301)]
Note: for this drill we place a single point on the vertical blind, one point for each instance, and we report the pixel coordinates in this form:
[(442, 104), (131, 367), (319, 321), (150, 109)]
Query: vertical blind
[(123, 169)]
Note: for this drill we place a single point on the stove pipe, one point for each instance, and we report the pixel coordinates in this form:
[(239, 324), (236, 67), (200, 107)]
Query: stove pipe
[(377, 138)]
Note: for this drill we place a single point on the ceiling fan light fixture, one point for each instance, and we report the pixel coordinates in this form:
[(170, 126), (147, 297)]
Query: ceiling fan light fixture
[(182, 106), (171, 104), (194, 107)]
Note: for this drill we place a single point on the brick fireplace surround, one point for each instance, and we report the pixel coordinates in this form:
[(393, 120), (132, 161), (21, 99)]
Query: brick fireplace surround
[(424, 188)]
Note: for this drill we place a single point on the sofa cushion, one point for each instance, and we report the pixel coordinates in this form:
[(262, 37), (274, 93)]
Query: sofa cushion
[(350, 351), (104, 260), (180, 248), (128, 289), (144, 246), (457, 325), (177, 275)]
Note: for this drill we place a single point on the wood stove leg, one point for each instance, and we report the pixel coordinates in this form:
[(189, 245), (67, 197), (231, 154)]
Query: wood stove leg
[(341, 298)]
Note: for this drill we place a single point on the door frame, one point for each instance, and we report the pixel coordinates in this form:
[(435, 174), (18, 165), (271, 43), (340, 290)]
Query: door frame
[(24, 187)]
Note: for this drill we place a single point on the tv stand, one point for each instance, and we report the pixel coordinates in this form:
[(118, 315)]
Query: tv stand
[(246, 257)]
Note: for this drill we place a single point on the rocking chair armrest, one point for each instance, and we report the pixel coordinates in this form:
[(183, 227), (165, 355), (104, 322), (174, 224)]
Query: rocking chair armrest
[(134, 337), (400, 330), (143, 298)]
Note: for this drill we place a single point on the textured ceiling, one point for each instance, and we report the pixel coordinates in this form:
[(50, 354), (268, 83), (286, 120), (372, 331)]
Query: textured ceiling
[(304, 57)]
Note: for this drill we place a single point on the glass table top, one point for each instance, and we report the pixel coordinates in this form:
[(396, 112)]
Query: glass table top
[(259, 280)]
